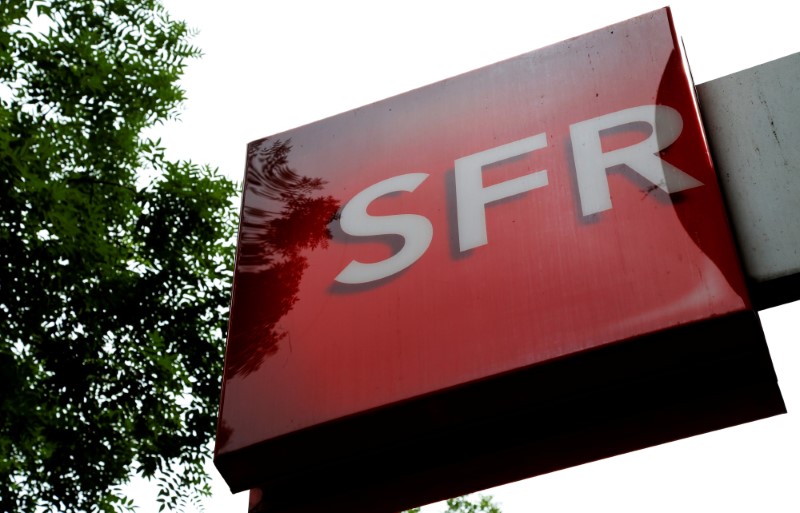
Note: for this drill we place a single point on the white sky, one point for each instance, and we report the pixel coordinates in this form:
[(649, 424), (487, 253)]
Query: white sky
[(270, 66)]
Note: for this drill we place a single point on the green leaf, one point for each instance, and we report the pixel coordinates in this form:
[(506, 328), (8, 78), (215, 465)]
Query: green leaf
[(111, 294)]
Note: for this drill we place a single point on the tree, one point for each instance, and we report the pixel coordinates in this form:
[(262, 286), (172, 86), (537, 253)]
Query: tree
[(463, 504), (115, 263)]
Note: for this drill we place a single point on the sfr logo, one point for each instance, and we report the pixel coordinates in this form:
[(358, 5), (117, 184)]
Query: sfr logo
[(591, 166)]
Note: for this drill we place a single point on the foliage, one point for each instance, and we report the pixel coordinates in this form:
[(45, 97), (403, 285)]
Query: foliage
[(114, 261), (463, 504)]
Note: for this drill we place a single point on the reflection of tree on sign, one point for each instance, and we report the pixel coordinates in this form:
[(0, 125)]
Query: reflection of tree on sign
[(281, 217)]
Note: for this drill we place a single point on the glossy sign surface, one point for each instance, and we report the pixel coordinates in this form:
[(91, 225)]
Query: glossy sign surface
[(515, 249)]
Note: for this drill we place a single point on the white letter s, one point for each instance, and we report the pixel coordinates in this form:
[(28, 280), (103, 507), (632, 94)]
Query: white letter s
[(415, 229)]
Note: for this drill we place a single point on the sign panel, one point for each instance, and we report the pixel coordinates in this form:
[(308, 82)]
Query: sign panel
[(470, 262), (754, 146)]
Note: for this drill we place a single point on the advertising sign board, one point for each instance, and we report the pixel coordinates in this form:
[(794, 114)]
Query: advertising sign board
[(753, 145), (511, 271)]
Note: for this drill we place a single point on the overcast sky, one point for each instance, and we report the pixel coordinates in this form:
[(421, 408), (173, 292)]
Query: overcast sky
[(271, 66)]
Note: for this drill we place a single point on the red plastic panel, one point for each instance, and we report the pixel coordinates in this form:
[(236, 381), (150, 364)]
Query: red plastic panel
[(549, 204)]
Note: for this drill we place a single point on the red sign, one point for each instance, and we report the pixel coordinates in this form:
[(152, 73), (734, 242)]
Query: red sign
[(488, 227)]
